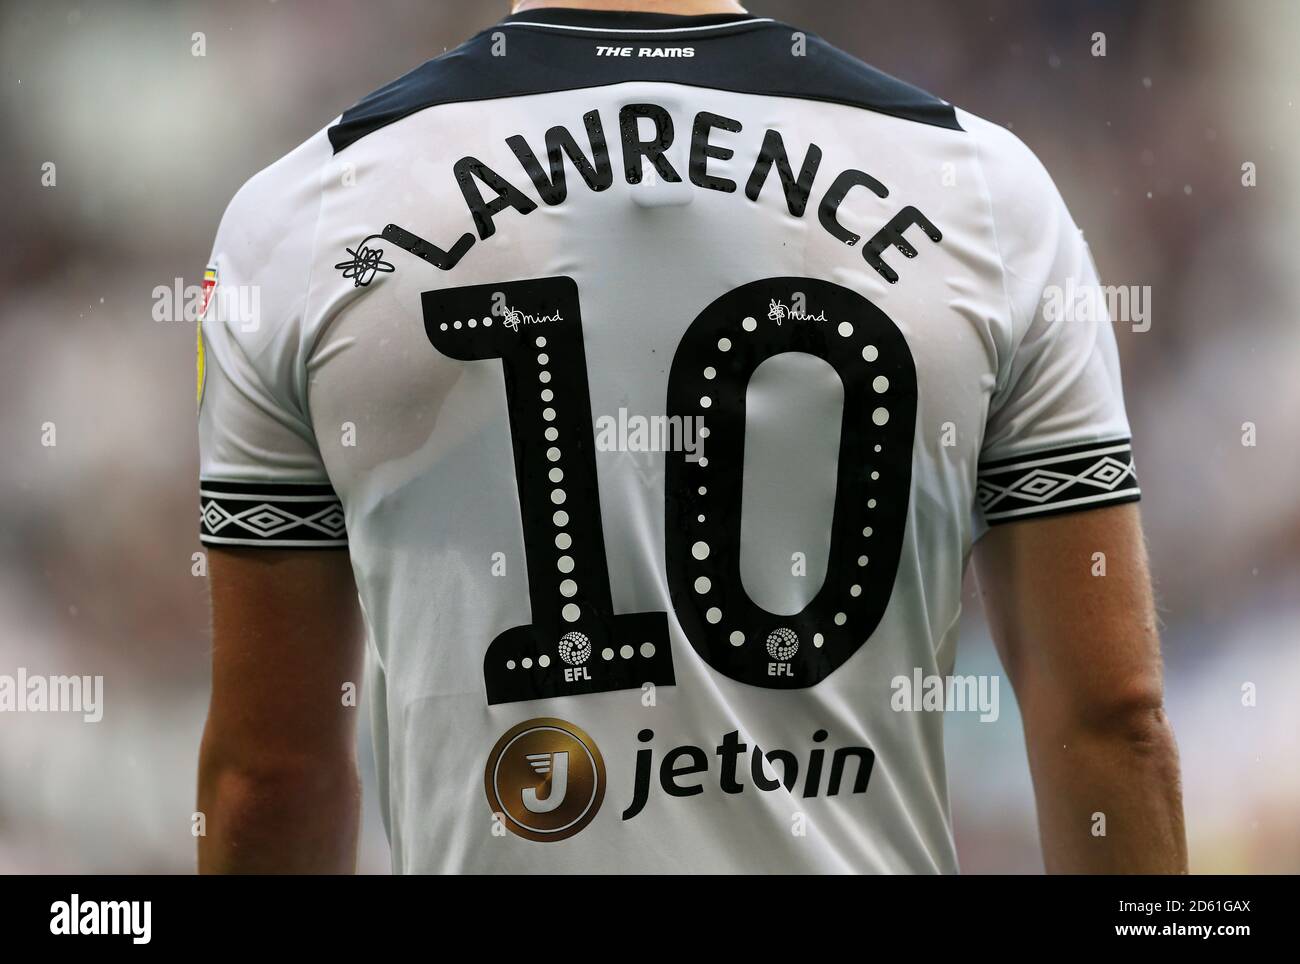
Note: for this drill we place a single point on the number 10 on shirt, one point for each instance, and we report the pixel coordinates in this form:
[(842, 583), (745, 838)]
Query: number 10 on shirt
[(576, 643)]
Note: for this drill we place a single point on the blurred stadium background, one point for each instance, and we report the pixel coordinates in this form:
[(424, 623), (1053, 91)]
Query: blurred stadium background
[(149, 142)]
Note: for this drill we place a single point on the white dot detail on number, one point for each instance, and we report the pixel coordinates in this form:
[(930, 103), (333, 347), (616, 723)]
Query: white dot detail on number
[(549, 414), (568, 589), (606, 654), (749, 324), (869, 353), (845, 329), (556, 475), (553, 454), (880, 416), (543, 661), (714, 615), (737, 638), (880, 384), (552, 434), (540, 342), (818, 640), (703, 585), (840, 619), (564, 564), (710, 372), (547, 394), (700, 550), (560, 518), (543, 358), (570, 613), (724, 344), (563, 540), (527, 662), (626, 651), (544, 377), (647, 650), (705, 401), (558, 496)]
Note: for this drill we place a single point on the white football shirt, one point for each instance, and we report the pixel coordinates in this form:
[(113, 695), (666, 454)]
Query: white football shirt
[(657, 374)]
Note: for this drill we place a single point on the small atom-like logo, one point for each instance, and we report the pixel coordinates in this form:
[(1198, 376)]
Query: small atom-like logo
[(365, 264), (782, 644), (575, 648)]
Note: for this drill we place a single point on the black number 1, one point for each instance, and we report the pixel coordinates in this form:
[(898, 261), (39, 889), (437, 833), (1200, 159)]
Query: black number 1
[(576, 643)]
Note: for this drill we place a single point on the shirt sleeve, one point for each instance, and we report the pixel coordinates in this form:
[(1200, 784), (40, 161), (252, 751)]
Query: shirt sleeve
[(1056, 436), (261, 478)]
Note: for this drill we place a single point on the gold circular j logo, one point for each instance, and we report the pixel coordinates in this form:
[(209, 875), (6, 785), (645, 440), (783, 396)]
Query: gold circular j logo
[(546, 778)]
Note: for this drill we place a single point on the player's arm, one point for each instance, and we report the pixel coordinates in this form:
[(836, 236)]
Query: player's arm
[(1083, 655), (277, 773), (277, 770), (1056, 487)]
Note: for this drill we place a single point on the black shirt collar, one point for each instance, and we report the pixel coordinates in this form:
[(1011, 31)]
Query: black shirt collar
[(574, 18)]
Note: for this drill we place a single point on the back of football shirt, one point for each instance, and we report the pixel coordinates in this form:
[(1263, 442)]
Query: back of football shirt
[(657, 373)]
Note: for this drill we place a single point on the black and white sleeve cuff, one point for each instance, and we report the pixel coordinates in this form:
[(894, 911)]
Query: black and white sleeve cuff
[(270, 515), (1054, 481)]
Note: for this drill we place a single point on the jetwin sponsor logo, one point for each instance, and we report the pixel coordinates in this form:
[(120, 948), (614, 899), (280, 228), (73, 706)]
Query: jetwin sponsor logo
[(545, 778)]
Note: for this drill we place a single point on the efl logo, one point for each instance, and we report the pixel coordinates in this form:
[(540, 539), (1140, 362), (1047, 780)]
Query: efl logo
[(545, 779)]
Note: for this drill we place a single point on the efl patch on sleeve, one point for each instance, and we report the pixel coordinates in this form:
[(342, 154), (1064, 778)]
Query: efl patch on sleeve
[(200, 360)]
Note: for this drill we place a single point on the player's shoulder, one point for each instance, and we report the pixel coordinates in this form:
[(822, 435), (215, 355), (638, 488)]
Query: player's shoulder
[(261, 257), (820, 70), (1012, 171), (471, 71), (1029, 214), (282, 193)]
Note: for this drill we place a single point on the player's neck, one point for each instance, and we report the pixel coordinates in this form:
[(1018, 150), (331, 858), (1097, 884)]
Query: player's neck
[(692, 8)]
